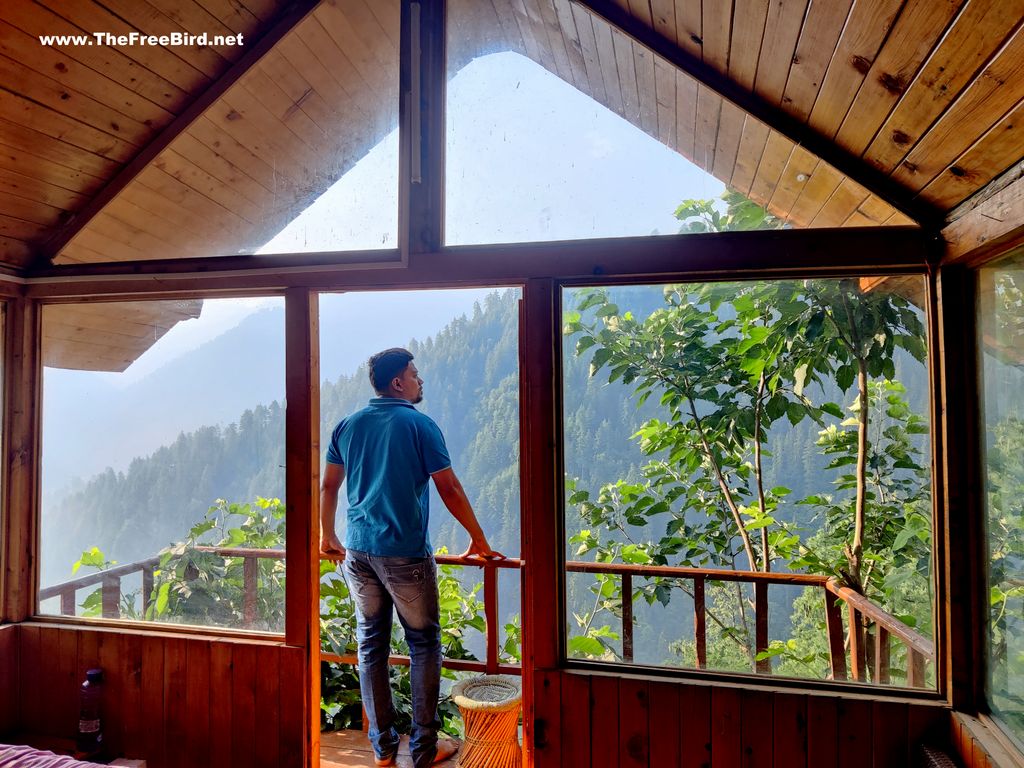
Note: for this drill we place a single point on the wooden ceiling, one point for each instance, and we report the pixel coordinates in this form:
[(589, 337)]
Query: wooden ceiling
[(922, 93)]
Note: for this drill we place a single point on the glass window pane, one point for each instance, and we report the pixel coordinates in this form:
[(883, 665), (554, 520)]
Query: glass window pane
[(1001, 341), (564, 128), (734, 452), (163, 462), (299, 155)]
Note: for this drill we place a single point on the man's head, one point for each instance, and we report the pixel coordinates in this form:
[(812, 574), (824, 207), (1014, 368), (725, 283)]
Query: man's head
[(393, 374)]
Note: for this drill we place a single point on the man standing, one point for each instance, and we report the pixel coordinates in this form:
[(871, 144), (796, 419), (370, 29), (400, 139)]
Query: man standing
[(389, 451)]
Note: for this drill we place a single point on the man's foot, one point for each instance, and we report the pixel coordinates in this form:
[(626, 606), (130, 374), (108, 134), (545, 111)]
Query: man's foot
[(445, 749), (389, 760)]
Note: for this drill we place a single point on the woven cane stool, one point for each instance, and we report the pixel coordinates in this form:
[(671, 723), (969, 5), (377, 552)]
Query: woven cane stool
[(490, 709)]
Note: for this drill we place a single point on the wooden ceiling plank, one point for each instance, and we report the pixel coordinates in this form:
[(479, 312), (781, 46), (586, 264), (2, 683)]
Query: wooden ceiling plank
[(556, 40), (531, 44), (210, 60), (130, 318), (573, 46), (716, 23), (51, 62), (818, 41), (36, 144), (663, 13), (264, 10), (383, 43), (643, 64), (31, 188), (640, 9), (127, 133), (745, 48), (993, 224), (981, 105), (846, 198), (709, 109), (183, 230), (876, 209), (858, 219), (76, 254), (977, 34), (772, 114), (114, 248), (591, 57), (233, 15), (665, 93), (983, 161), (262, 87), (14, 252), (917, 30), (239, 156), (859, 44), (134, 235), (20, 229), (29, 114), (505, 34), (777, 151), (178, 192), (322, 47), (388, 14), (35, 20), (623, 46), (727, 144), (752, 143), (299, 91), (777, 48), (222, 169), (204, 183), (356, 52), (690, 27), (30, 210), (898, 219), (90, 17), (686, 114), (818, 189), (196, 18), (801, 163), (609, 65), (47, 171)]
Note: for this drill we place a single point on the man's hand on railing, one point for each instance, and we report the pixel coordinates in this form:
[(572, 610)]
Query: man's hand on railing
[(480, 550), (331, 545)]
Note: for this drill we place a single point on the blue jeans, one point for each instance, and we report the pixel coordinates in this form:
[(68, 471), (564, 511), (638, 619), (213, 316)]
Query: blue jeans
[(408, 584)]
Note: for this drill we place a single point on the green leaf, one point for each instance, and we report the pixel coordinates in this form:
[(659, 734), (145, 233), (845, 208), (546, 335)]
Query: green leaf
[(585, 646)]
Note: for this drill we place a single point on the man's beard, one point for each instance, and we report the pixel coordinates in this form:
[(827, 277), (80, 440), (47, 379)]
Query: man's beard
[(419, 398)]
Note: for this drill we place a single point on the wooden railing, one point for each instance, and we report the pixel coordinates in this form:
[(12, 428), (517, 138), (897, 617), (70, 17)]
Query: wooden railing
[(868, 646), (110, 580)]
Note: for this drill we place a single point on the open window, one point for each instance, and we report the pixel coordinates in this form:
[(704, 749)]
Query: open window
[(748, 478)]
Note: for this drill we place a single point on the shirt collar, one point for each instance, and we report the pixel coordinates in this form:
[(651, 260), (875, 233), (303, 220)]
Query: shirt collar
[(391, 401)]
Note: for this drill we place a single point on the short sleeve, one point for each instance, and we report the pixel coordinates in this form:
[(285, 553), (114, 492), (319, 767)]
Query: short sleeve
[(333, 452), (432, 447)]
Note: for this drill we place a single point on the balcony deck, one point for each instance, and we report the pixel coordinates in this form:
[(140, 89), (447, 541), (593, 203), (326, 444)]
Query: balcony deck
[(351, 749)]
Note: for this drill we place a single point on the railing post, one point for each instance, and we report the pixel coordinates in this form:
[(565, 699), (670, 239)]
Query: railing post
[(67, 602), (836, 646), (147, 589), (881, 655), (627, 617), (111, 597), (491, 616), (763, 666), (915, 668), (870, 658), (700, 622), (249, 566), (857, 656)]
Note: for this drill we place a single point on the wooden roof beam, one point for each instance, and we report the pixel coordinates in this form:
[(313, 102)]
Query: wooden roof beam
[(771, 115), (988, 223), (291, 15)]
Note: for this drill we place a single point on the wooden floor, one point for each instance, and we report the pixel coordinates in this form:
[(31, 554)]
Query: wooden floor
[(351, 749)]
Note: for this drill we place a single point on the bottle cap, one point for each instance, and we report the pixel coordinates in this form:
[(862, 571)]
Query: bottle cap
[(94, 675)]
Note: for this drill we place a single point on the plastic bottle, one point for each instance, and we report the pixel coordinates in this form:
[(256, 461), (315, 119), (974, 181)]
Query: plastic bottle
[(90, 726)]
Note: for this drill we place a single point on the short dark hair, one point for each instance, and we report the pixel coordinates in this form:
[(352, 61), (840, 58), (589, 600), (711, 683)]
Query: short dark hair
[(384, 366)]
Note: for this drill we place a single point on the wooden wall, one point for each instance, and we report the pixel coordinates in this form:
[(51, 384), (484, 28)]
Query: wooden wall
[(8, 677), (171, 699), (607, 721)]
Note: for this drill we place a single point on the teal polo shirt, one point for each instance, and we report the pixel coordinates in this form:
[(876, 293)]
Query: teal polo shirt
[(389, 451)]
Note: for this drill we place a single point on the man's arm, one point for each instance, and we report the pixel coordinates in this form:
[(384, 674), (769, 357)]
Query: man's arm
[(454, 497), (330, 484)]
